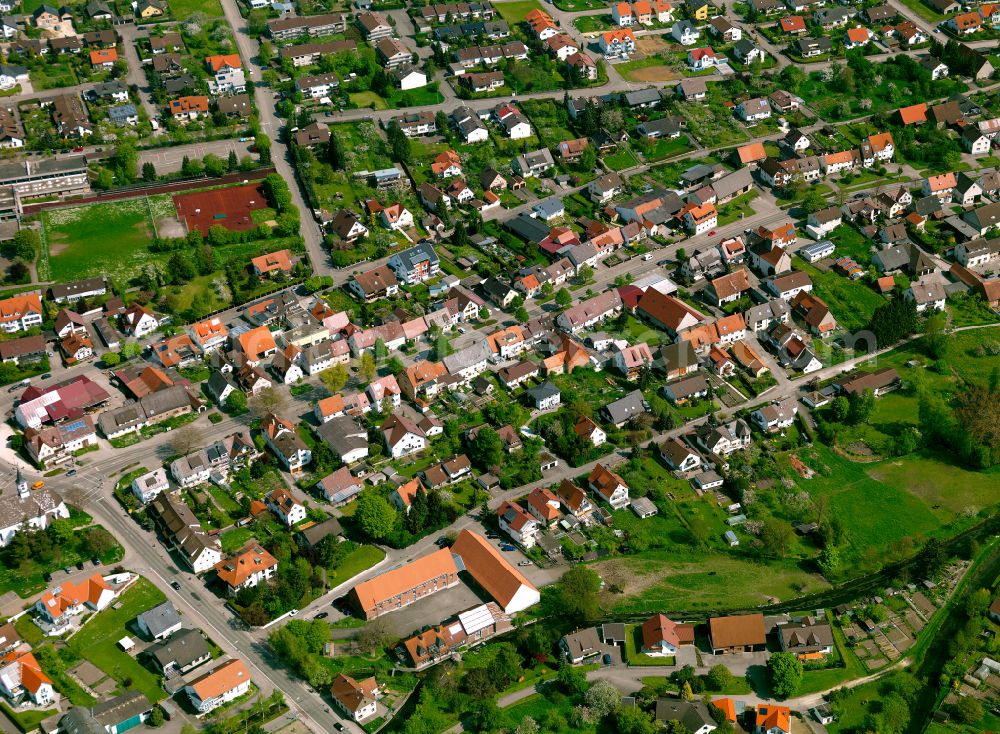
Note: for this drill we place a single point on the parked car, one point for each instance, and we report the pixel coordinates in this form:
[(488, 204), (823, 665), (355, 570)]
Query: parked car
[(507, 547), (95, 561), (607, 659), (322, 615), (524, 563), (47, 576), (175, 585), (71, 472)]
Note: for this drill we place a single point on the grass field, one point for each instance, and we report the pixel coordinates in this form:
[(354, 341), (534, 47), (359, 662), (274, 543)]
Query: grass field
[(97, 641), (516, 12), (182, 9), (688, 579), (99, 239), (947, 489)]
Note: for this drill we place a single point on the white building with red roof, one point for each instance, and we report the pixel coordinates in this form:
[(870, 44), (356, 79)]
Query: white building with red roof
[(518, 524)]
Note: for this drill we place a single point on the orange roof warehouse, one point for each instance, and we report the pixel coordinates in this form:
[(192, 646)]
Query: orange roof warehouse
[(471, 553)]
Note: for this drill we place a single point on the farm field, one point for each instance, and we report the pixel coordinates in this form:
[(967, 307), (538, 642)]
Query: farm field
[(101, 239)]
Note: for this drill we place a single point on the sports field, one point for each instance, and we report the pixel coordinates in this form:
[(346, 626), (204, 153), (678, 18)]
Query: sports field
[(232, 207), (101, 239)]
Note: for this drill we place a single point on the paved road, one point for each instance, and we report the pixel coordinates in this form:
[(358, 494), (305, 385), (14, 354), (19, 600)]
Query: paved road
[(264, 98)]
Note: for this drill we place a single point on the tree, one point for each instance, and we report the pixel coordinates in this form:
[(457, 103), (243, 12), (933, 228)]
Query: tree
[(563, 298), (862, 406), (375, 516), (148, 172), (603, 698), (99, 542), (187, 439), (577, 596), (263, 145), (968, 710), (268, 400), (521, 314), (686, 693), (487, 448), (840, 408), (785, 673), (366, 367), (236, 402), (486, 715), (335, 153), (634, 721), (335, 378), (775, 535), (111, 359), (527, 726), (719, 677), (155, 717), (25, 245), (572, 679)]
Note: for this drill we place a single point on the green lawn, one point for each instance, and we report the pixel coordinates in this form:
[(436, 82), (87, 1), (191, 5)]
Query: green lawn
[(99, 239), (361, 559), (620, 160), (668, 148), (516, 12), (233, 540), (593, 23), (97, 641), (367, 99)]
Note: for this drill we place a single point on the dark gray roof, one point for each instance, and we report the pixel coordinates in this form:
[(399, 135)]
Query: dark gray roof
[(692, 714), (642, 96), (160, 618), (543, 391), (315, 533), (183, 648), (527, 227), (627, 407)]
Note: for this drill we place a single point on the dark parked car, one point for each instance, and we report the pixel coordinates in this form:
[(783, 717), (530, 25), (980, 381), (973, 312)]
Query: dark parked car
[(175, 585), (322, 615), (71, 472), (507, 547), (96, 561), (47, 576), (443, 542), (607, 659), (79, 566)]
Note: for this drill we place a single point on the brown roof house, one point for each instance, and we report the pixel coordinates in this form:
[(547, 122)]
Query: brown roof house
[(738, 633), (662, 636)]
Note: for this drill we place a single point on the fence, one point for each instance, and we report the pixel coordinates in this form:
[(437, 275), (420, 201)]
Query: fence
[(136, 190)]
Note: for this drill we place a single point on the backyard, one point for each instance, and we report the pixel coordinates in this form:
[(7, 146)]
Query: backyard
[(98, 640)]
